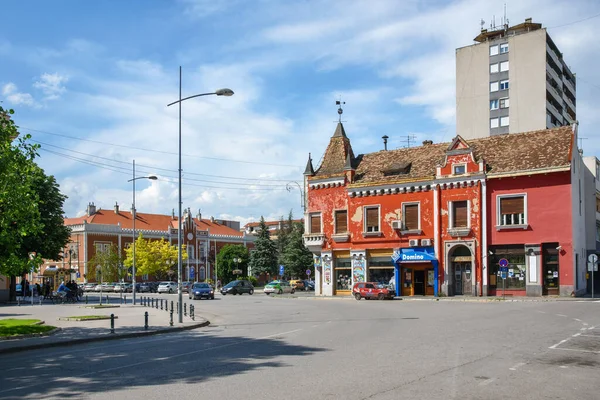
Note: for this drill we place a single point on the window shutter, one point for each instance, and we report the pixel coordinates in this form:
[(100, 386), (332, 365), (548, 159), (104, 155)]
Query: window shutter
[(373, 218), (411, 216), (315, 224), (460, 214), (512, 205), (341, 221)]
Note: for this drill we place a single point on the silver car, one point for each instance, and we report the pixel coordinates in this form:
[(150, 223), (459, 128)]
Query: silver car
[(167, 287)]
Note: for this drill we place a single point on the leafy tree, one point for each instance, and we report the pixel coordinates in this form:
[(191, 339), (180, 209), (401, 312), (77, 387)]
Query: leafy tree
[(226, 265), (107, 265), (264, 256), (285, 230), (153, 257), (297, 258)]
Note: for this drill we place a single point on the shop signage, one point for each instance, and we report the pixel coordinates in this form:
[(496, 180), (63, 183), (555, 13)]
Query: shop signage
[(414, 254)]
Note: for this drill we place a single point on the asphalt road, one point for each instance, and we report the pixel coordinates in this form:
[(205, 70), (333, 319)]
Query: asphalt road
[(260, 347)]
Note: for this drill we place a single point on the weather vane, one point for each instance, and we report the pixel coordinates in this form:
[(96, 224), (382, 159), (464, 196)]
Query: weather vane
[(340, 110)]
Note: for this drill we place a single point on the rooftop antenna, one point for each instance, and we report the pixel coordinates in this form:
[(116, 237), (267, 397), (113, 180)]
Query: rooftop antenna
[(408, 139), (339, 103), (505, 19), (482, 23), (581, 139)]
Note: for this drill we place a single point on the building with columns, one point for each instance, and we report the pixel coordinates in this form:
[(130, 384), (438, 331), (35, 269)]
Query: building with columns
[(441, 219)]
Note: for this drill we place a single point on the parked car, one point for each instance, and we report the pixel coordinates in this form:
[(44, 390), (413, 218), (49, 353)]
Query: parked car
[(200, 290), (298, 284), (144, 288), (167, 287), (238, 287), (154, 286), (123, 287), (279, 287), (130, 287), (371, 290), (89, 287), (105, 287), (185, 286)]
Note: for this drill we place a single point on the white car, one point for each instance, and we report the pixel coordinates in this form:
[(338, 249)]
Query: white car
[(167, 287)]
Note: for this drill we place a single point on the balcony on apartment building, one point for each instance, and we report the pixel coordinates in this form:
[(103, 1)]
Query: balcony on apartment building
[(554, 71), (314, 241), (554, 90), (554, 108), (569, 84), (557, 60)]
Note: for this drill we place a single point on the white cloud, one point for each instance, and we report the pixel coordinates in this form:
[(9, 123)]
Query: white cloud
[(52, 85), (12, 95)]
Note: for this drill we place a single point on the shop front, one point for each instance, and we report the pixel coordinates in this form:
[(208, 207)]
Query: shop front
[(416, 270)]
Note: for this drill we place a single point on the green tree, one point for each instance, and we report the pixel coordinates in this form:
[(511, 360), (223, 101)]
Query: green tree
[(107, 265), (283, 234), (153, 257), (226, 265), (297, 258), (264, 256)]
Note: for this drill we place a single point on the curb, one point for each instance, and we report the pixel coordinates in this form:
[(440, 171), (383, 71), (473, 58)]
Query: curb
[(70, 342), (98, 318), (30, 335)]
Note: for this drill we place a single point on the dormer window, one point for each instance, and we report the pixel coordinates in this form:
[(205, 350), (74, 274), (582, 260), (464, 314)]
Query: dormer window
[(459, 169), (401, 168)]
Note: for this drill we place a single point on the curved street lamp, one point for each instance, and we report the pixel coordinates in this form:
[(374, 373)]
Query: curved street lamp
[(220, 92), (133, 215), (289, 188)]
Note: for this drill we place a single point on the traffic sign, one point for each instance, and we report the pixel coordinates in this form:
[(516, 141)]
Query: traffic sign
[(281, 269), (192, 272), (503, 262), (503, 274), (78, 275), (308, 272), (593, 258), (503, 269)]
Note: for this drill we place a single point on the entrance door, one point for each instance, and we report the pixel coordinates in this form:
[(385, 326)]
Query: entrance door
[(458, 279), (420, 282)]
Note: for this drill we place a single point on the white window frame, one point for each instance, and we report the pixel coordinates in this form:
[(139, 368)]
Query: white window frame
[(458, 165), (494, 50), (494, 68), (494, 86), (451, 214), (503, 48), (506, 102), (500, 221), (504, 66), (102, 247), (494, 104), (504, 121), (408, 203), (365, 227), (310, 222), (505, 83), (496, 124)]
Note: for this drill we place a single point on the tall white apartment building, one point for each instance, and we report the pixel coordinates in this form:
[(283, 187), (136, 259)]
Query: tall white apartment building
[(512, 80)]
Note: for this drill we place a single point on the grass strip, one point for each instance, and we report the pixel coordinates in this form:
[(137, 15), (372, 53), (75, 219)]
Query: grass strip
[(14, 327), (86, 318)]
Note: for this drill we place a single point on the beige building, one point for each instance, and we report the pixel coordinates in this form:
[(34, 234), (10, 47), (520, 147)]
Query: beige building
[(512, 80)]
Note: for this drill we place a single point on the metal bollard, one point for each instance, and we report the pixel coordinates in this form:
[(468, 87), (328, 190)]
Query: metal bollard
[(171, 321), (86, 299), (112, 323), (177, 307), (146, 320), (125, 299), (161, 302), (157, 304), (192, 308), (185, 309), (171, 305), (107, 301), (152, 302)]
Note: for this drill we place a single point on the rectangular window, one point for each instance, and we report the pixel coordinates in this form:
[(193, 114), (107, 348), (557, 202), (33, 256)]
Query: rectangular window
[(341, 221), (504, 103), (494, 50), (494, 123), (411, 217), (504, 85), (459, 214), (493, 104), (493, 86), (493, 68), (504, 66), (512, 210), (504, 48), (315, 223), (372, 219), (459, 169), (504, 121)]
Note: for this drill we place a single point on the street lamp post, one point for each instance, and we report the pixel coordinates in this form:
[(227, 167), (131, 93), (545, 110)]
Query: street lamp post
[(133, 215), (289, 189), (237, 262), (220, 92)]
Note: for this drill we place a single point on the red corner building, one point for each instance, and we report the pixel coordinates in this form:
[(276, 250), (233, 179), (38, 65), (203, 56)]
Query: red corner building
[(441, 219)]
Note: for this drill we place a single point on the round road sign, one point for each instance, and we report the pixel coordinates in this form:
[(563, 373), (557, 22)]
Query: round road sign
[(592, 258), (503, 262), (308, 272)]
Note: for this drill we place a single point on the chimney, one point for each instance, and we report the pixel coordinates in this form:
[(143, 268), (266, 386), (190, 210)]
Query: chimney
[(427, 142), (199, 216), (116, 207), (91, 209), (528, 20), (385, 138), (212, 219), (173, 214)]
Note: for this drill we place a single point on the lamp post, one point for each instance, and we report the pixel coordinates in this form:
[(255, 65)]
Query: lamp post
[(289, 188), (220, 92), (133, 215), (237, 262)]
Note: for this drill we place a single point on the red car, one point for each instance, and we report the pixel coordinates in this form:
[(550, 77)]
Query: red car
[(371, 290)]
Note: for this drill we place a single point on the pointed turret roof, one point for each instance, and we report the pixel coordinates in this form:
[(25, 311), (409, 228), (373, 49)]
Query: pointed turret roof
[(337, 153), (309, 170)]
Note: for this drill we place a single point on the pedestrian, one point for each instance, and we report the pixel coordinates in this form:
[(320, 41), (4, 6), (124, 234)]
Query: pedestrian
[(38, 289)]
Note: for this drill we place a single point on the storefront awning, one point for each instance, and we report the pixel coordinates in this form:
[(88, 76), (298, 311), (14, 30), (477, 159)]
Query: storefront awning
[(50, 271)]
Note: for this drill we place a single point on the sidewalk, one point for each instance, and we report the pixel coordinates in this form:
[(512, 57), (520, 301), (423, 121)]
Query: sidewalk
[(464, 298), (129, 322)]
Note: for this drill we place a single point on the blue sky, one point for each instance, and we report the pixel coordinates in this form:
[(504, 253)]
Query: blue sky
[(91, 80)]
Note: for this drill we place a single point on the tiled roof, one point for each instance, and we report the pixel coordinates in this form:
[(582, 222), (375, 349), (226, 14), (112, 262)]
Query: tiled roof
[(544, 149), (269, 223), (334, 159), (154, 222)]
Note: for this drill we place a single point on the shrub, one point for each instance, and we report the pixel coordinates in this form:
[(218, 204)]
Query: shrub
[(251, 279)]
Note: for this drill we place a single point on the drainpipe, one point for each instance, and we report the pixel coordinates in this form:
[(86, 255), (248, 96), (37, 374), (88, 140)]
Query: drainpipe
[(436, 230), (484, 251)]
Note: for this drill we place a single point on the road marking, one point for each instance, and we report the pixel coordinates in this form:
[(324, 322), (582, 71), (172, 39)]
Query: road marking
[(577, 334), (557, 344), (514, 368), (578, 350), (594, 336), (577, 319), (563, 366), (487, 382), (561, 315), (541, 312)]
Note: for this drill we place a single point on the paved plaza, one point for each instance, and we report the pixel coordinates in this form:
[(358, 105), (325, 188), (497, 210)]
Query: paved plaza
[(305, 347)]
